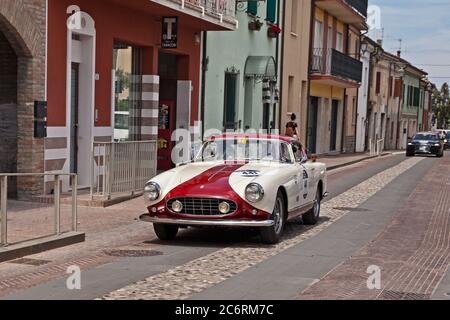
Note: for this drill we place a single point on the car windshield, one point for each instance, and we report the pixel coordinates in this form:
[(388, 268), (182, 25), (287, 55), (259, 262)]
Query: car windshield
[(426, 137), (244, 149)]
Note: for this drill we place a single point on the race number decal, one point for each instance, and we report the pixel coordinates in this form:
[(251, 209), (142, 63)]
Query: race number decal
[(305, 184)]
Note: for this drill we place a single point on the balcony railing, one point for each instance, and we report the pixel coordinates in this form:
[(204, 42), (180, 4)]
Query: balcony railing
[(359, 5), (331, 62), (224, 9)]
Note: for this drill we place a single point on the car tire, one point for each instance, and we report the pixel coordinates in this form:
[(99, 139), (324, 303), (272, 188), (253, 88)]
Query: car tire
[(312, 216), (409, 154), (272, 235), (165, 231)]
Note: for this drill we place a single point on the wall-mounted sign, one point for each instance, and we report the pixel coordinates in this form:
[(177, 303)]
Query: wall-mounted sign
[(169, 32)]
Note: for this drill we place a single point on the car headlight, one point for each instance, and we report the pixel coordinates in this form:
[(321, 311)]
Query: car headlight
[(410, 144), (224, 208), (152, 191), (437, 145), (254, 192)]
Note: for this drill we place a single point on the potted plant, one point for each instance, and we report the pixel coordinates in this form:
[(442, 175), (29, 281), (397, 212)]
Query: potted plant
[(273, 31), (255, 25)]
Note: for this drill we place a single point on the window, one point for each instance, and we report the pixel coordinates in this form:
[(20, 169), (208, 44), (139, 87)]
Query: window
[(391, 80), (230, 100), (340, 42), (398, 88), (318, 34), (330, 38), (378, 83), (294, 15), (252, 8), (272, 10), (416, 97)]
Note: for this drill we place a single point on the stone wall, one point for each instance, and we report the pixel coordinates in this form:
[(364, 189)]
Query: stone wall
[(23, 26)]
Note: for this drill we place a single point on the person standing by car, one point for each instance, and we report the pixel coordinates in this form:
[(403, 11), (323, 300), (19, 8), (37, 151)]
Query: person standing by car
[(291, 127)]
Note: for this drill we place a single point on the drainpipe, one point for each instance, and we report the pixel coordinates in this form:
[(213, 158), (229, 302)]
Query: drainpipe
[(311, 44), (203, 96), (280, 101), (280, 63)]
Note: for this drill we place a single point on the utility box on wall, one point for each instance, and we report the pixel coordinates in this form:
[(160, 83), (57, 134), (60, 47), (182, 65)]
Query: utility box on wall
[(40, 119)]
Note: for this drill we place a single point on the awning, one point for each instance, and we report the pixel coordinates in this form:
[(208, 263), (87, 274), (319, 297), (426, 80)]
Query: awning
[(261, 67)]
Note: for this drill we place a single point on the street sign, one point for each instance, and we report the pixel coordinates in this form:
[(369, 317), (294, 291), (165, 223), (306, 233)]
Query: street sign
[(169, 33)]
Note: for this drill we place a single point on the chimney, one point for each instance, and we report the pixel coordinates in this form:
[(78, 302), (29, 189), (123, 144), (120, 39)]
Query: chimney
[(380, 42), (399, 53)]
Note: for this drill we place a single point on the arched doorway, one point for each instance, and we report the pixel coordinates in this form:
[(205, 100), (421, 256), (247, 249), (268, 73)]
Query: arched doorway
[(8, 109), (22, 82)]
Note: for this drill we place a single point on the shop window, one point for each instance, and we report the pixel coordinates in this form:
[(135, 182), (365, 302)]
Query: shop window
[(271, 11), (127, 63)]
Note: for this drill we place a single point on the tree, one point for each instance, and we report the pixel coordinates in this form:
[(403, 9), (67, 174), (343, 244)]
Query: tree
[(441, 106)]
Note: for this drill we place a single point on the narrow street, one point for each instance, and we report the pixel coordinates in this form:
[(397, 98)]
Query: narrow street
[(392, 212)]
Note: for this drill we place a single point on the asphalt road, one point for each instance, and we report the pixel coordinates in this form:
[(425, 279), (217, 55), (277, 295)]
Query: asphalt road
[(280, 277)]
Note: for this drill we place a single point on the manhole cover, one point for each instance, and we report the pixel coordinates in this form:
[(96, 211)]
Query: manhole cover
[(351, 209), (30, 262), (133, 253), (397, 295)]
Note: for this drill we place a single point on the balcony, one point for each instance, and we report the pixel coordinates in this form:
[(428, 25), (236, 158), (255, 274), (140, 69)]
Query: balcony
[(222, 13), (353, 12), (335, 68)]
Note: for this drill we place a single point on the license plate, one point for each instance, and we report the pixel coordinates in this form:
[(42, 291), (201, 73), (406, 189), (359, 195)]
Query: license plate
[(423, 148)]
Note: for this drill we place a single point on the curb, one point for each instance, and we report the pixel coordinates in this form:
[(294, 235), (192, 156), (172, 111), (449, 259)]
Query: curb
[(338, 166), (31, 247)]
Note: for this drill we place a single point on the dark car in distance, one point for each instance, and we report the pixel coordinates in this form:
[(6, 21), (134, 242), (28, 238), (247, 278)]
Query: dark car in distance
[(426, 143), (447, 141)]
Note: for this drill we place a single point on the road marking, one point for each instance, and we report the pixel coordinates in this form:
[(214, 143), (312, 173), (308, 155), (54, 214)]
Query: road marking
[(200, 274)]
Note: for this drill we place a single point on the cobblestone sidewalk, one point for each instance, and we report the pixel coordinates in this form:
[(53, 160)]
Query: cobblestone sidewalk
[(413, 252), (184, 281)]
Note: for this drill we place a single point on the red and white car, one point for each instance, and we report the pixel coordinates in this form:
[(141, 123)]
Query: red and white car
[(238, 180)]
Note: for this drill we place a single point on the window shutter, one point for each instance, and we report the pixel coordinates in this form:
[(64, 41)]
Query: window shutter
[(391, 80), (271, 11), (398, 88), (378, 85), (252, 7)]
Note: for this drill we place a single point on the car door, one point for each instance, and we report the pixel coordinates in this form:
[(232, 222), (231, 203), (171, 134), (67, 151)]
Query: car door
[(307, 175)]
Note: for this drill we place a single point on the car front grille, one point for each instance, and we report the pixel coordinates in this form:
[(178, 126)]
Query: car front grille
[(202, 206)]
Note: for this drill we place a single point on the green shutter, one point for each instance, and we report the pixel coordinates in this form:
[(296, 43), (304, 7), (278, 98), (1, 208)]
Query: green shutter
[(252, 7), (272, 10)]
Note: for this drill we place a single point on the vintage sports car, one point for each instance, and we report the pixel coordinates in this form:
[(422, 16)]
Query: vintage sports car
[(238, 180)]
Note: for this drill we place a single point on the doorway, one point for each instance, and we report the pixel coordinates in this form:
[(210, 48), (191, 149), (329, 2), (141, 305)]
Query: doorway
[(333, 124), (312, 124), (74, 116)]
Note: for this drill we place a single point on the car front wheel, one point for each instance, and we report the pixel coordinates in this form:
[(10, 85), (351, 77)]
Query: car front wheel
[(166, 231), (272, 235)]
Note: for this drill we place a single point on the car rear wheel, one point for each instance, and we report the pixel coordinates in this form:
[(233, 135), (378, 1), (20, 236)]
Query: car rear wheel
[(409, 154), (313, 215), (272, 235), (165, 231)]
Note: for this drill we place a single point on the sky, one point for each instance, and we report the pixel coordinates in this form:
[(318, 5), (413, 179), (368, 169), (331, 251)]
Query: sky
[(424, 27)]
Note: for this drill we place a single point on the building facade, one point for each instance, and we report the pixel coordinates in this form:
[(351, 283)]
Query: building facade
[(411, 105), (241, 71), (335, 75), (123, 70), (22, 82), (295, 64)]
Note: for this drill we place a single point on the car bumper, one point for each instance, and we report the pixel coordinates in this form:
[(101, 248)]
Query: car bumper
[(207, 223), (423, 150)]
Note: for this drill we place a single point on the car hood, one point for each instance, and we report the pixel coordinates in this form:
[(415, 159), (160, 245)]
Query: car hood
[(210, 179)]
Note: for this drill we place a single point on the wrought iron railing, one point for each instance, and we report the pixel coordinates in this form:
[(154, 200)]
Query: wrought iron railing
[(334, 63), (220, 8), (359, 5), (122, 167)]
